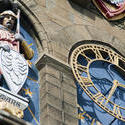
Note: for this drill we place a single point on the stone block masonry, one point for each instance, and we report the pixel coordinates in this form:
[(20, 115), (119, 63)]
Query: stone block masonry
[(58, 92)]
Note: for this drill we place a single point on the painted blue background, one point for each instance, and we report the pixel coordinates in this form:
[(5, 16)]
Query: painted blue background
[(32, 113)]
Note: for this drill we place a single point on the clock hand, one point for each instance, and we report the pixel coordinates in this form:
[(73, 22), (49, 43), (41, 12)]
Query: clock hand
[(106, 92), (115, 85), (109, 71), (121, 85), (112, 121)]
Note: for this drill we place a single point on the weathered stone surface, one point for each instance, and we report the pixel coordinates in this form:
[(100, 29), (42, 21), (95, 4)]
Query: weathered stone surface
[(82, 3), (57, 95), (69, 120), (52, 71), (55, 102), (59, 19), (68, 80), (71, 110), (69, 87), (70, 98), (54, 90)]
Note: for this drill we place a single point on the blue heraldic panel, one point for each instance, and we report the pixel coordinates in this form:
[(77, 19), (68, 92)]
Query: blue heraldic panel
[(30, 89)]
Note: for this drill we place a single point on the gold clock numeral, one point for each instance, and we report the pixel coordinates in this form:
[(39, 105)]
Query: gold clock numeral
[(114, 59), (87, 115), (93, 121), (98, 54), (87, 58), (80, 116), (113, 89), (82, 68), (99, 97), (87, 82), (98, 123), (116, 110)]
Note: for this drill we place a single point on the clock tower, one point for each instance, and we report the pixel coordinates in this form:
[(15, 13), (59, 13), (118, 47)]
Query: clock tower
[(79, 53)]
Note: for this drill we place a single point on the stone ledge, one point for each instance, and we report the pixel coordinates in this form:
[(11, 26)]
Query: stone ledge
[(51, 60)]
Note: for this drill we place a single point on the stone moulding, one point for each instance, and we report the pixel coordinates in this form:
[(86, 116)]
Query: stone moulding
[(49, 59)]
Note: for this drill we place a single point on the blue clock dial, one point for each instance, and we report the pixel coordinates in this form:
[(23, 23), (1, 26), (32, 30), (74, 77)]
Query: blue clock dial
[(100, 71), (103, 74), (90, 113)]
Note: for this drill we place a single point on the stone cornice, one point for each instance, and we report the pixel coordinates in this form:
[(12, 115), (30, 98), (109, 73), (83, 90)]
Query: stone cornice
[(51, 60)]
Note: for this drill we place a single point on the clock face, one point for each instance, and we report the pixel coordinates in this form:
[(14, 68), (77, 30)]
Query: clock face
[(89, 113), (100, 71)]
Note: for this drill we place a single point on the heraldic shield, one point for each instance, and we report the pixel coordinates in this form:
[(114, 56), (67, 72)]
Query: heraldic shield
[(111, 9), (14, 68)]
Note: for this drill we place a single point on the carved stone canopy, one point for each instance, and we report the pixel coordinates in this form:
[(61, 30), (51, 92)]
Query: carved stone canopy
[(82, 2)]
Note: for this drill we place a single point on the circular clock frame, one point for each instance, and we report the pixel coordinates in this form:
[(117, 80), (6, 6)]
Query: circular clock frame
[(100, 51)]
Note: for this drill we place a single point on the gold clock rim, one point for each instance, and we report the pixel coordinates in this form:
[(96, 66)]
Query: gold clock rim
[(84, 86)]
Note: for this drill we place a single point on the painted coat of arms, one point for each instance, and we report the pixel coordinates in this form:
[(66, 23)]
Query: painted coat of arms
[(14, 69), (111, 9)]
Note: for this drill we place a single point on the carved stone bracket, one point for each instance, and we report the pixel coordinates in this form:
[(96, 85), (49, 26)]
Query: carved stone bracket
[(11, 109), (12, 103)]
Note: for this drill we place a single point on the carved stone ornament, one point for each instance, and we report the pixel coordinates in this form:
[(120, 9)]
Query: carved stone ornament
[(14, 69), (12, 103), (111, 9), (11, 109)]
